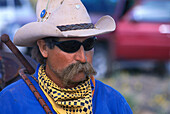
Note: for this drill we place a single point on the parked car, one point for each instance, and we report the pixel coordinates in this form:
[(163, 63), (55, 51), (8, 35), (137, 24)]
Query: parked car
[(143, 33), (14, 14)]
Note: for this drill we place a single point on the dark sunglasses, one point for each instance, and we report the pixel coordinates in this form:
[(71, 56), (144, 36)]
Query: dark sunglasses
[(72, 46)]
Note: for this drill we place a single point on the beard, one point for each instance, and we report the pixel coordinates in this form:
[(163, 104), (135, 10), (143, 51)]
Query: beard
[(69, 72)]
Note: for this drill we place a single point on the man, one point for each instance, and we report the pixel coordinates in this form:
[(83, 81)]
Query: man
[(63, 40)]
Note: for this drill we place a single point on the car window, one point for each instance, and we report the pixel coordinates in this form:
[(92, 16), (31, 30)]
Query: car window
[(153, 11), (3, 3), (17, 3), (100, 6)]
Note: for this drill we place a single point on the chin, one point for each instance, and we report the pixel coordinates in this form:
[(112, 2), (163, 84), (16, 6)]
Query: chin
[(79, 77)]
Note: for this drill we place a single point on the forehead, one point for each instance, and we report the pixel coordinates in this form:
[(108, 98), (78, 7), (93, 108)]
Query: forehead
[(74, 38)]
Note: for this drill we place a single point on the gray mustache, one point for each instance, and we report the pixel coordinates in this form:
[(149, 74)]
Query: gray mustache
[(75, 68)]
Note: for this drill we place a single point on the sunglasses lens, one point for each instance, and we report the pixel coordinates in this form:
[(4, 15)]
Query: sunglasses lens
[(69, 46), (73, 45), (89, 44)]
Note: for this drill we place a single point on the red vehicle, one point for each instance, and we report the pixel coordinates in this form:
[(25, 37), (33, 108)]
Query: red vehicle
[(143, 33)]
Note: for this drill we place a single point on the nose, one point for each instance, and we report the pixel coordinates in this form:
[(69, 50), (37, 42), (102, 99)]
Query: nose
[(80, 55)]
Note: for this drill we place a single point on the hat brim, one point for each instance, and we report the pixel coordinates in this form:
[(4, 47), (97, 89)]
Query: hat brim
[(30, 33)]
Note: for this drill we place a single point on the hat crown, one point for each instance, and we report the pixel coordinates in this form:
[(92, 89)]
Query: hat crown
[(62, 12)]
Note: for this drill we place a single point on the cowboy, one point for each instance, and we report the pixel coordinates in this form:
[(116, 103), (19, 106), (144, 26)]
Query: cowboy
[(63, 39)]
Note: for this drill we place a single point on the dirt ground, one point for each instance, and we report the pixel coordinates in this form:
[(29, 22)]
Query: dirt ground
[(145, 93)]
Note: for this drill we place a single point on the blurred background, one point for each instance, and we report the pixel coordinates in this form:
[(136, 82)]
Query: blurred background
[(134, 59)]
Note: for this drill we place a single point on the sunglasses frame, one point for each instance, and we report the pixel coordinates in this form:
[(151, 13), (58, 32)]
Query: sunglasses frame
[(59, 43)]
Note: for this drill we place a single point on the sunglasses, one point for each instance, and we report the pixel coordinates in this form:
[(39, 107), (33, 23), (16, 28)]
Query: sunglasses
[(72, 46)]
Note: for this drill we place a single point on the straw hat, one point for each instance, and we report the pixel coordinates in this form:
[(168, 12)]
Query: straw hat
[(62, 18)]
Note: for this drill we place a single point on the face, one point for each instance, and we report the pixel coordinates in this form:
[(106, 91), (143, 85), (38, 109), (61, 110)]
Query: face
[(57, 60)]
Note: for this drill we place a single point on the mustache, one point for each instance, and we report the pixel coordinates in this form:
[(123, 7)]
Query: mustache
[(75, 68)]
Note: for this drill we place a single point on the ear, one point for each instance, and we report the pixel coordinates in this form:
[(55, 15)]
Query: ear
[(43, 48)]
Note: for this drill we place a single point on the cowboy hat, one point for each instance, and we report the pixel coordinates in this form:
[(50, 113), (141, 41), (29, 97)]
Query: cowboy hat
[(62, 18)]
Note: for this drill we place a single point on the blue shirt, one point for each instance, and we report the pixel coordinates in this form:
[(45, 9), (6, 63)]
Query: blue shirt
[(17, 98)]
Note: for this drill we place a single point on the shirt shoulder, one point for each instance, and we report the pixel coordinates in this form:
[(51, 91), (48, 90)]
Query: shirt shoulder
[(16, 92), (12, 88), (18, 98), (108, 90)]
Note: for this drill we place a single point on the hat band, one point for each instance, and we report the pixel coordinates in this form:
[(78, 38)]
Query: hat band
[(76, 27)]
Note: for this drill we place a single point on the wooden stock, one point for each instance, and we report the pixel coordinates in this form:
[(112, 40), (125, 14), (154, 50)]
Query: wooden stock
[(5, 39), (35, 92), (29, 69)]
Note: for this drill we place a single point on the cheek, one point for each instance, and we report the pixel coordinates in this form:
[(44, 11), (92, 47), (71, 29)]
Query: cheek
[(89, 56), (65, 59), (58, 59)]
